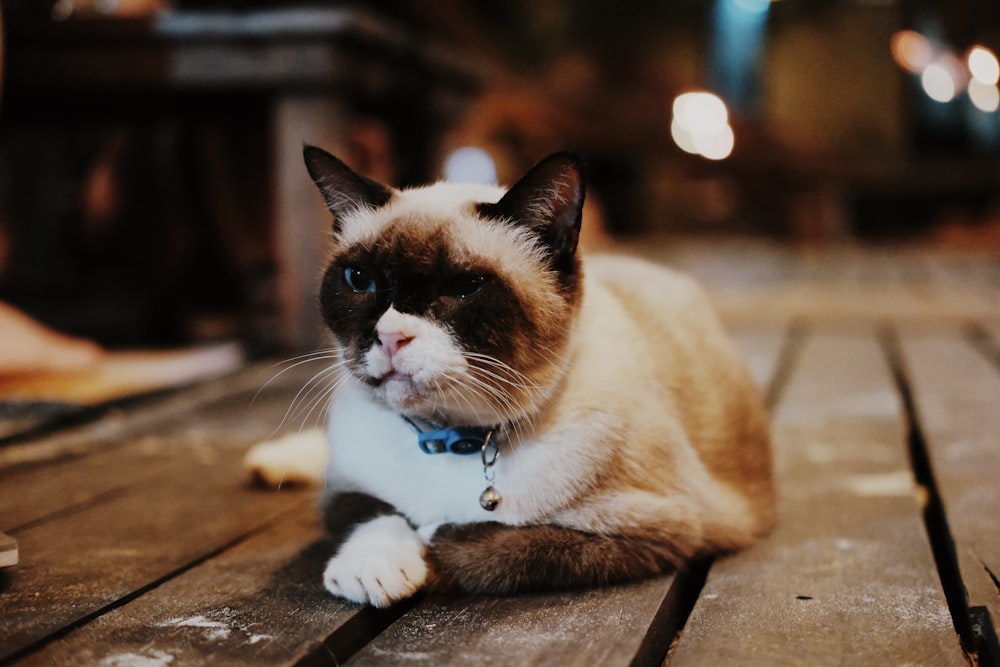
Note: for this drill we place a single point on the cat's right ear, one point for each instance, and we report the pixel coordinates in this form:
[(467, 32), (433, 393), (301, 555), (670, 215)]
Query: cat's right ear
[(343, 189), (548, 200)]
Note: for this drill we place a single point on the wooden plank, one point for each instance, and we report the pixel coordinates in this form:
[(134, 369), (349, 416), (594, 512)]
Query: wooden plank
[(607, 627), (83, 466), (848, 576), (756, 280), (851, 283), (74, 566), (8, 551), (153, 414), (745, 281), (182, 497), (955, 390), (966, 280), (20, 418), (762, 345), (260, 603)]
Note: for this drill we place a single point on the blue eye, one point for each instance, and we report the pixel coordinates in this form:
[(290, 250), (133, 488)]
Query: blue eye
[(359, 280)]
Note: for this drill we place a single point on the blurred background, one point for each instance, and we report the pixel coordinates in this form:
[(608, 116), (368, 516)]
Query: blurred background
[(151, 187)]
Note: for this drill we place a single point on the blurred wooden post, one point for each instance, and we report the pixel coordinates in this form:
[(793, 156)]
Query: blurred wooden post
[(302, 222)]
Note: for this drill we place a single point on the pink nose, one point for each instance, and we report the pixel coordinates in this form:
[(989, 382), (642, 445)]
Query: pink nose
[(392, 341)]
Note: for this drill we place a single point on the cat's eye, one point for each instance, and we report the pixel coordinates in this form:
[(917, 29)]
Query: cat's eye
[(359, 280), (464, 286)]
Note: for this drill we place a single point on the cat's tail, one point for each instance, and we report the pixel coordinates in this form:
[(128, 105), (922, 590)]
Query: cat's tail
[(297, 459)]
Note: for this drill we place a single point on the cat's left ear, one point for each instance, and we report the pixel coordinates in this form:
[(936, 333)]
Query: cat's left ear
[(343, 189), (549, 200)]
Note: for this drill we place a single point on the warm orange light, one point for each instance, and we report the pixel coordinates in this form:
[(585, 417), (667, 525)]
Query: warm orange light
[(911, 50)]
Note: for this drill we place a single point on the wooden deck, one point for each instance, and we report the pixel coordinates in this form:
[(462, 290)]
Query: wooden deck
[(142, 544)]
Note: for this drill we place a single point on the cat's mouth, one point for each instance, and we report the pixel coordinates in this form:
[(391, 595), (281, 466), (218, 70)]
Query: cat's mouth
[(399, 390), (393, 376), (377, 381)]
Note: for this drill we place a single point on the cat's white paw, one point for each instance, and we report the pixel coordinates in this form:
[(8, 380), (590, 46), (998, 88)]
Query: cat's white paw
[(381, 563), (299, 458)]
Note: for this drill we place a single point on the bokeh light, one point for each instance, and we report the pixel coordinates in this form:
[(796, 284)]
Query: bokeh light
[(938, 83), (701, 113), (470, 164), (682, 137), (701, 125), (984, 96), (911, 51), (716, 146), (983, 65)]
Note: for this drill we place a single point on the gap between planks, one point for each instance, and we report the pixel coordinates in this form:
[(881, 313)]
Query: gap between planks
[(972, 355), (935, 518)]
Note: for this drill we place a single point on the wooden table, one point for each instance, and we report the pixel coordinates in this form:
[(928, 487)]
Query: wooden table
[(314, 73), (141, 543)]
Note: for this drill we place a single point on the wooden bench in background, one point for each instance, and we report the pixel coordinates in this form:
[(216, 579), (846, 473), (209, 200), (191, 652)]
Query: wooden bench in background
[(142, 543)]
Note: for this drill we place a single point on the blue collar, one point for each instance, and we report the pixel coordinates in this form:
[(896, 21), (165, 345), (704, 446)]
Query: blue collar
[(462, 440)]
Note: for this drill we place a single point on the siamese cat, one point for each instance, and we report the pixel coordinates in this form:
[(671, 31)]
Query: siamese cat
[(510, 416)]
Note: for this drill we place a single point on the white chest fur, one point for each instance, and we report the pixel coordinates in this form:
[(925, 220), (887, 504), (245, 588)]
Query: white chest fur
[(373, 450)]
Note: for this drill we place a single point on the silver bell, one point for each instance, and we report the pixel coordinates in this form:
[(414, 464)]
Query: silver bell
[(489, 499)]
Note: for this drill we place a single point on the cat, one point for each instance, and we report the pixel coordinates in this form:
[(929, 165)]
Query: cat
[(510, 416)]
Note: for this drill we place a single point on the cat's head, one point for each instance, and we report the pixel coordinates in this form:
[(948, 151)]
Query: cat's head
[(454, 302)]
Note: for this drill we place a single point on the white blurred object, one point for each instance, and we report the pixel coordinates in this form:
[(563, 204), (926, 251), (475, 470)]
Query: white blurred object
[(700, 125), (470, 164)]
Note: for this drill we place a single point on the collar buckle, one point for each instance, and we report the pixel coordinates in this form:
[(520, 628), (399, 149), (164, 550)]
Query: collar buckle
[(463, 440)]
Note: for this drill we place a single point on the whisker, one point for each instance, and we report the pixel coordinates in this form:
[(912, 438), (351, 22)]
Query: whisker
[(294, 362), (499, 400), (459, 390), (313, 390), (321, 400), (516, 377)]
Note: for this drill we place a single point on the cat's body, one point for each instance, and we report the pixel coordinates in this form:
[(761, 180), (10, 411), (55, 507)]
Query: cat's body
[(630, 435)]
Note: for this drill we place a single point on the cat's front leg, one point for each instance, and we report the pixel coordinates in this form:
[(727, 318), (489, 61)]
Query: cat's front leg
[(380, 558), (381, 563), (497, 559)]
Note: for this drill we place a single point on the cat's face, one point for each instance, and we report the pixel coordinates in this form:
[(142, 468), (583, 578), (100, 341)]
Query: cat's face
[(453, 302)]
